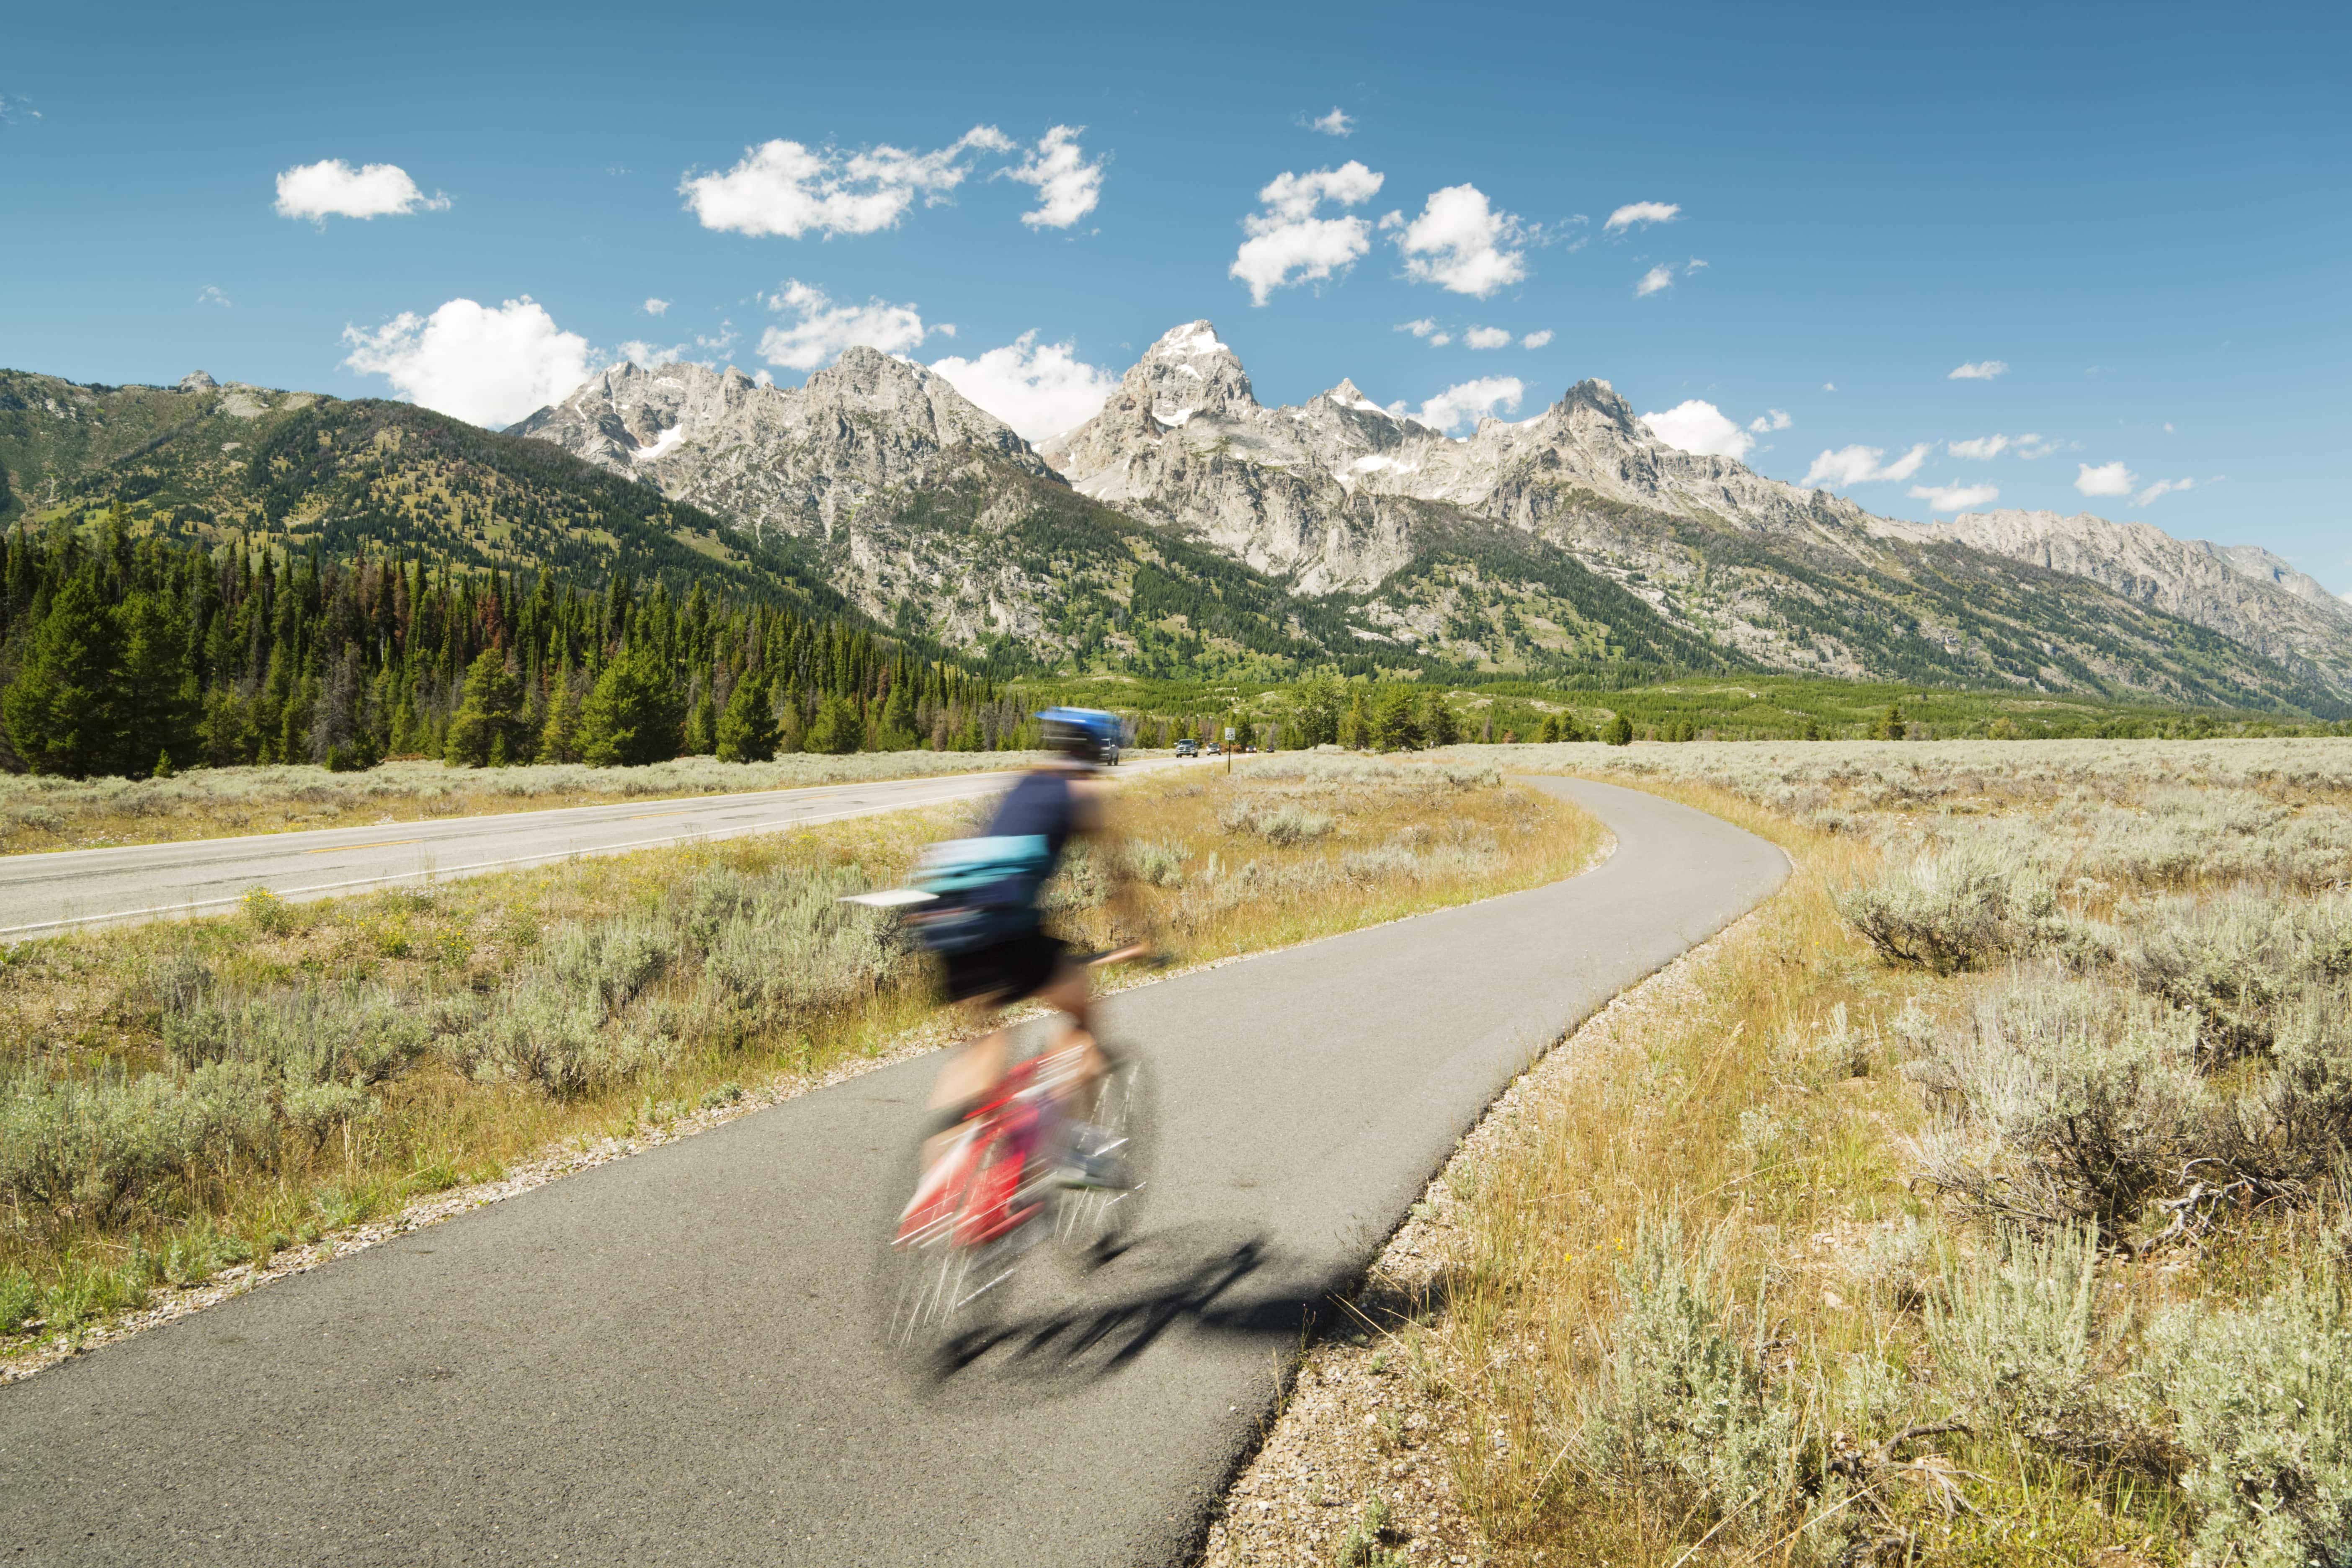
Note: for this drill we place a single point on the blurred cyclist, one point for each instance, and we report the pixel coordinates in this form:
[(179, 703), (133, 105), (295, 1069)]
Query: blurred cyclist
[(989, 933)]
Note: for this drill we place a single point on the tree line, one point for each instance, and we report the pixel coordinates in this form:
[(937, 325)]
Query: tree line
[(141, 656)]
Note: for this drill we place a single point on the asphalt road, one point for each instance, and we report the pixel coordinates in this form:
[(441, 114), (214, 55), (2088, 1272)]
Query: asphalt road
[(41, 895), (671, 1359)]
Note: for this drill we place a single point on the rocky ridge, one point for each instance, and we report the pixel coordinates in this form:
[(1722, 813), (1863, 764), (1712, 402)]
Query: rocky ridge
[(1499, 548), (2244, 592), (1314, 493), (805, 458)]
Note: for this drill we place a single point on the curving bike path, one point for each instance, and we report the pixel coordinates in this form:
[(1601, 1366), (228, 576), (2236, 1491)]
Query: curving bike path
[(670, 1359)]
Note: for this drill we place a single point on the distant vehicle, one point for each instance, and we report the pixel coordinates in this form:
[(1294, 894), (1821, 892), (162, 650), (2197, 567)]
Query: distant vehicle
[(1188, 748), (1215, 750)]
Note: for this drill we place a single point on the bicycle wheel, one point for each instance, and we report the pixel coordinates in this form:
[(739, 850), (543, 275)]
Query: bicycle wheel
[(1105, 1219), (940, 1261)]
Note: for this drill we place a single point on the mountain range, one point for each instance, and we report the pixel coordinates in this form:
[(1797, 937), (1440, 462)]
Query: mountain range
[(1550, 544), (1187, 528)]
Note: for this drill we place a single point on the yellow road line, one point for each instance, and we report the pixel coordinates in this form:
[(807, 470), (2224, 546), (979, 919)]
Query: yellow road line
[(338, 848)]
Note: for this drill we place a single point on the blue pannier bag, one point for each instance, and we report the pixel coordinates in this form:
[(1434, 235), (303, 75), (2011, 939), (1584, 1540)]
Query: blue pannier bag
[(984, 891)]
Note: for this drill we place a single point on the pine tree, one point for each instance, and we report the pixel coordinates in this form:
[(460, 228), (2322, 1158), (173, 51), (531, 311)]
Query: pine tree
[(62, 711), (837, 728), (628, 720), (490, 718), (160, 702), (898, 715), (701, 725), (747, 731), (1395, 726), (1621, 731), (559, 736), (1356, 729), (1438, 725)]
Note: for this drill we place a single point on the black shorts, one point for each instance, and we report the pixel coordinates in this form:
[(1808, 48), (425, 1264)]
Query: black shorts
[(1004, 972)]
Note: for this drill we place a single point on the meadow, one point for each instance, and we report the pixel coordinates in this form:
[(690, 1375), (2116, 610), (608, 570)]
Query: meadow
[(179, 1101), (1981, 1198)]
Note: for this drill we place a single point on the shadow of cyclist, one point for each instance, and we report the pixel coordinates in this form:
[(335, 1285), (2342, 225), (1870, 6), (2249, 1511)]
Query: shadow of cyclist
[(1041, 1349)]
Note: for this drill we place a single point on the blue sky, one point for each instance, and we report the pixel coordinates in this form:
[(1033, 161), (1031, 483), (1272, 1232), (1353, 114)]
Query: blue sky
[(2139, 212)]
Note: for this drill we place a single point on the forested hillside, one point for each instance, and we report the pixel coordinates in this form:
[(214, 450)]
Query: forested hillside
[(137, 655)]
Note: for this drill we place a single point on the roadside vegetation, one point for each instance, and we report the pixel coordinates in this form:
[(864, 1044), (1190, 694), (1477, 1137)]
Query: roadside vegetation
[(1986, 1199), (177, 1100), (40, 812)]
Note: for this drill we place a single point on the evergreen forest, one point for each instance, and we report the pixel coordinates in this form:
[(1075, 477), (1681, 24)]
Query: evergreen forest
[(144, 655)]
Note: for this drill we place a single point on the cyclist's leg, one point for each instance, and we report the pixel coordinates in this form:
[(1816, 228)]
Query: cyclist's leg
[(974, 1069)]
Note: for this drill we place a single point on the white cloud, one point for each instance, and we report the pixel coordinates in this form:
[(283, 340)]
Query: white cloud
[(2162, 487), (489, 366), (820, 329), (646, 355), (1488, 337), (1067, 185), (1656, 279), (1701, 427), (211, 295), (1829, 386), (1979, 370), (2030, 446), (332, 189), (1861, 466), (2107, 479), (1634, 215), (1471, 401), (1771, 419), (1420, 329), (14, 109), (1040, 392), (1336, 124), (1984, 448), (1536, 339), (1459, 242), (782, 187), (2167, 428), (655, 307), (1693, 265), (1288, 244), (1954, 498)]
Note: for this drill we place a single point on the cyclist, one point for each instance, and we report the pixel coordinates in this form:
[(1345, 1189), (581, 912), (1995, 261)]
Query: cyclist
[(1003, 954)]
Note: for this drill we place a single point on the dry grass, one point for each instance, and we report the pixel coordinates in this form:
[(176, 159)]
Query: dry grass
[(176, 1100), (1720, 1290), (39, 813)]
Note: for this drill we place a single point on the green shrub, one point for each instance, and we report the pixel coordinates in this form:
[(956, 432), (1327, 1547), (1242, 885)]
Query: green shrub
[(2020, 1346), (1155, 863), (2235, 961), (271, 914), (19, 1299), (1681, 1406), (2062, 1102), (2262, 1397), (96, 1147), (1951, 910)]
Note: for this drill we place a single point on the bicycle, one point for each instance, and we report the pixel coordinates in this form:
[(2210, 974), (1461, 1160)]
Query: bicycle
[(980, 1207)]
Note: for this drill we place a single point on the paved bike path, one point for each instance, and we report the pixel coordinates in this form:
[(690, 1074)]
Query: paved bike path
[(670, 1359)]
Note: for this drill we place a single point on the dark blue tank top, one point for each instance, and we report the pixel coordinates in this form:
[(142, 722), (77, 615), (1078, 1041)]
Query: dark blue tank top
[(1040, 804)]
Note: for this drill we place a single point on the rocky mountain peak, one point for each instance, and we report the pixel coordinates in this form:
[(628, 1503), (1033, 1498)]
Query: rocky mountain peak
[(1189, 371), (197, 380), (1596, 399)]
